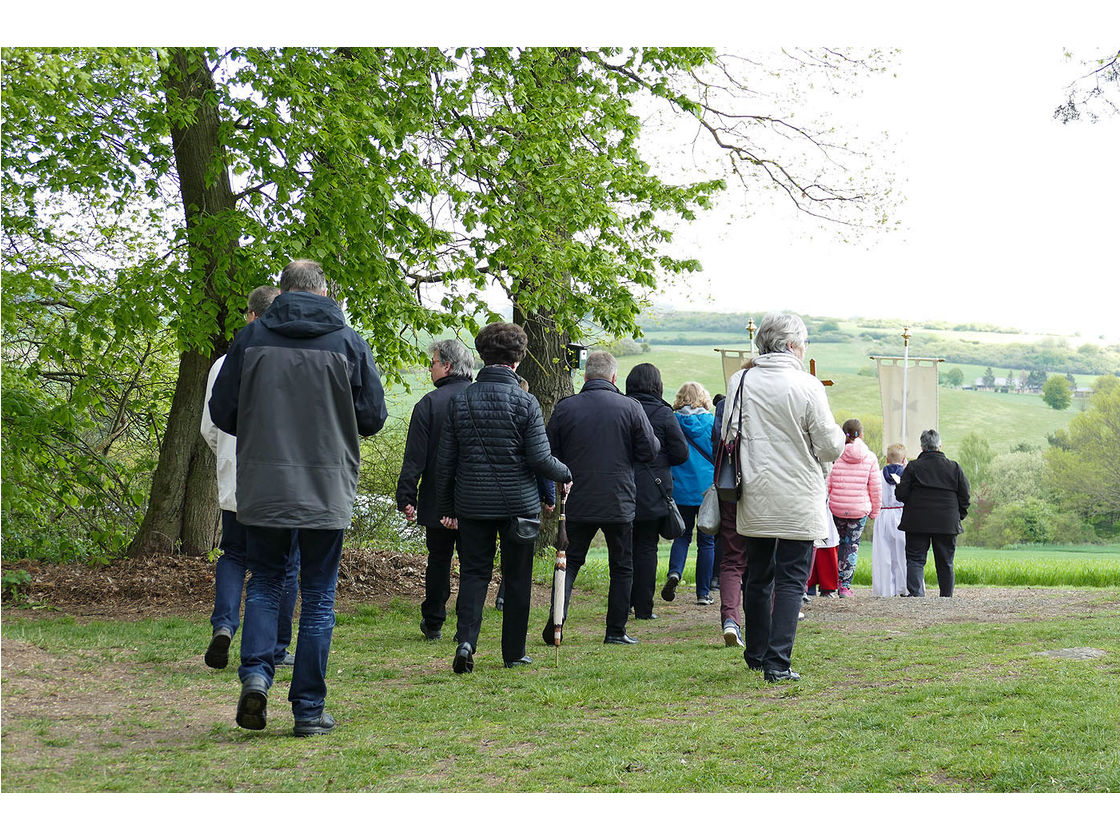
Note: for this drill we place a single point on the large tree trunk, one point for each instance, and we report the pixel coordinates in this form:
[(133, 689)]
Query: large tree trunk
[(545, 367), (182, 510), (546, 370)]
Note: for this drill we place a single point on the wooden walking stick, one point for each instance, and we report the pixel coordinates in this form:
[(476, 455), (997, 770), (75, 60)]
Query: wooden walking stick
[(560, 572)]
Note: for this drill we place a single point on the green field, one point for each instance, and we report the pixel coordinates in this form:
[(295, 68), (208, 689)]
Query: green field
[(1030, 565), (1003, 419)]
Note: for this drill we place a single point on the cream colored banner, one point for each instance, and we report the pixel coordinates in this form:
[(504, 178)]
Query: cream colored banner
[(921, 401)]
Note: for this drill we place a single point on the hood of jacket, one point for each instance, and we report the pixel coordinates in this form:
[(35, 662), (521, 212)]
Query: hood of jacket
[(303, 315), (857, 452)]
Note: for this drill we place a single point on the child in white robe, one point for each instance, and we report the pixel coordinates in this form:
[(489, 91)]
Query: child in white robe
[(888, 544)]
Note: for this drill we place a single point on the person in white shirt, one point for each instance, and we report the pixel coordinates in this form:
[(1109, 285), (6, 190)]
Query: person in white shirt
[(229, 572)]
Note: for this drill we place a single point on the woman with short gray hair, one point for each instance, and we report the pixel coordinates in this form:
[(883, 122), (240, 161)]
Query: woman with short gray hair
[(935, 495), (786, 436)]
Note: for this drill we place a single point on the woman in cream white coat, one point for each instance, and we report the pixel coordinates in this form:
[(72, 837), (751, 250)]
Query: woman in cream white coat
[(788, 436)]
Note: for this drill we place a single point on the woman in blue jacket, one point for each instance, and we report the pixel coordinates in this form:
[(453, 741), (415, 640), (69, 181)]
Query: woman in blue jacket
[(693, 410)]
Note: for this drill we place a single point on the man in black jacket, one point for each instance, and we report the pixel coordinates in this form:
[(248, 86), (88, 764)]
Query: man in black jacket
[(298, 388), (935, 495), (601, 434), (451, 369)]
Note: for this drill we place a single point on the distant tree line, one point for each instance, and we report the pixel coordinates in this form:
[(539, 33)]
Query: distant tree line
[(1048, 354), (1068, 492)]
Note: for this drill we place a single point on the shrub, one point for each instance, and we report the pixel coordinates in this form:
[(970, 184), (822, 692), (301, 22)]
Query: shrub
[(1029, 521)]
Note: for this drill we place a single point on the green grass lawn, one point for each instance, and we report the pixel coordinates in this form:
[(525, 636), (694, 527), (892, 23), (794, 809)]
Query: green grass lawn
[(884, 705), (1031, 565)]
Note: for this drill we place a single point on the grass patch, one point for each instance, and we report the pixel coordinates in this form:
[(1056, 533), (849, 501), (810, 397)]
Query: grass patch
[(884, 706)]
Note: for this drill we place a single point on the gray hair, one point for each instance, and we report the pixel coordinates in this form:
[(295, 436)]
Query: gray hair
[(930, 440), (600, 365), (303, 276), (261, 298), (455, 353), (778, 330)]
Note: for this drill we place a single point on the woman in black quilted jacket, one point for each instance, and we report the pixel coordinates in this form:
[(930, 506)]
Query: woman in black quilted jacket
[(492, 450)]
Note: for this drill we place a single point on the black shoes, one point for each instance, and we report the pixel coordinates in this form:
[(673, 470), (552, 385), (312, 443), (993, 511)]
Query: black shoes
[(549, 634), (781, 676), (463, 663), (252, 706), (319, 726), (619, 640), (669, 591), (649, 617), (429, 634), (289, 661), (217, 654), (524, 660)]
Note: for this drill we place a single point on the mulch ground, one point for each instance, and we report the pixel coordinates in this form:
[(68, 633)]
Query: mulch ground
[(177, 585)]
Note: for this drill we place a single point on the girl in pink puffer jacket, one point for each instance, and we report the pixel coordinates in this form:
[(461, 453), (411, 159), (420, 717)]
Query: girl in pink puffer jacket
[(854, 493)]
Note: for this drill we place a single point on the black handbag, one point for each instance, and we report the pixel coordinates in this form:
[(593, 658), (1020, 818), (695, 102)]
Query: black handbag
[(672, 523), (729, 470), (524, 529)]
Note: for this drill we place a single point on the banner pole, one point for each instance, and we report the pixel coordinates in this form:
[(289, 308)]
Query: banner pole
[(905, 377)]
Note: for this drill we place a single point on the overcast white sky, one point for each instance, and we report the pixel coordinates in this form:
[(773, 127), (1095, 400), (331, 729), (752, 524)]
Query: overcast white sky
[(1009, 217)]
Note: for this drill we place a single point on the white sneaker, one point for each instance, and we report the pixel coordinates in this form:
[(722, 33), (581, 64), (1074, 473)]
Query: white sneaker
[(732, 636), (800, 616)]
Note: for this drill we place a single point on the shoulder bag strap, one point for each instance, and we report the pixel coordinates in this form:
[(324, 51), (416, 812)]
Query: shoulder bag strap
[(688, 437)]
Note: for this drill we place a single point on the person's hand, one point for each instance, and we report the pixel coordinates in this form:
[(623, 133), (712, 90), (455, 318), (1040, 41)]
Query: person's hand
[(548, 509), (410, 513), (450, 523)]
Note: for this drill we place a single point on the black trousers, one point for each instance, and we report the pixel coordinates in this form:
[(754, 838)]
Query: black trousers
[(777, 571), (478, 539), (645, 539), (944, 547), (620, 557), (437, 576)]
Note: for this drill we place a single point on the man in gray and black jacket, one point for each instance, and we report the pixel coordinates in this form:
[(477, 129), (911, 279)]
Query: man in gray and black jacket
[(298, 388)]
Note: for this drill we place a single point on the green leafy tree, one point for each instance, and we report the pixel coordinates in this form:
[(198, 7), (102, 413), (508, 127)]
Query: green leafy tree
[(975, 455), (1055, 392), (204, 172), (989, 378), (954, 377), (147, 191), (1082, 470)]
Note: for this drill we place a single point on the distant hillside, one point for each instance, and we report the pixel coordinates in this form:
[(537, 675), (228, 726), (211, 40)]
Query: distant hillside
[(986, 346)]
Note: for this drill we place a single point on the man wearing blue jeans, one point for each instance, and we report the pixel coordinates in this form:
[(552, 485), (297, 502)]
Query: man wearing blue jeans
[(298, 388), (230, 570)]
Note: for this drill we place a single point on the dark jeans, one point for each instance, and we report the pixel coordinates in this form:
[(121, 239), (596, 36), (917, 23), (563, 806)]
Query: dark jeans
[(645, 539), (620, 557), (777, 570), (705, 551), (478, 541), (733, 566), (437, 576), (944, 547), (320, 552), (229, 584)]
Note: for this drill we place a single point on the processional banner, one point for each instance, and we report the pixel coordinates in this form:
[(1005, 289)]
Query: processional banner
[(919, 380)]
